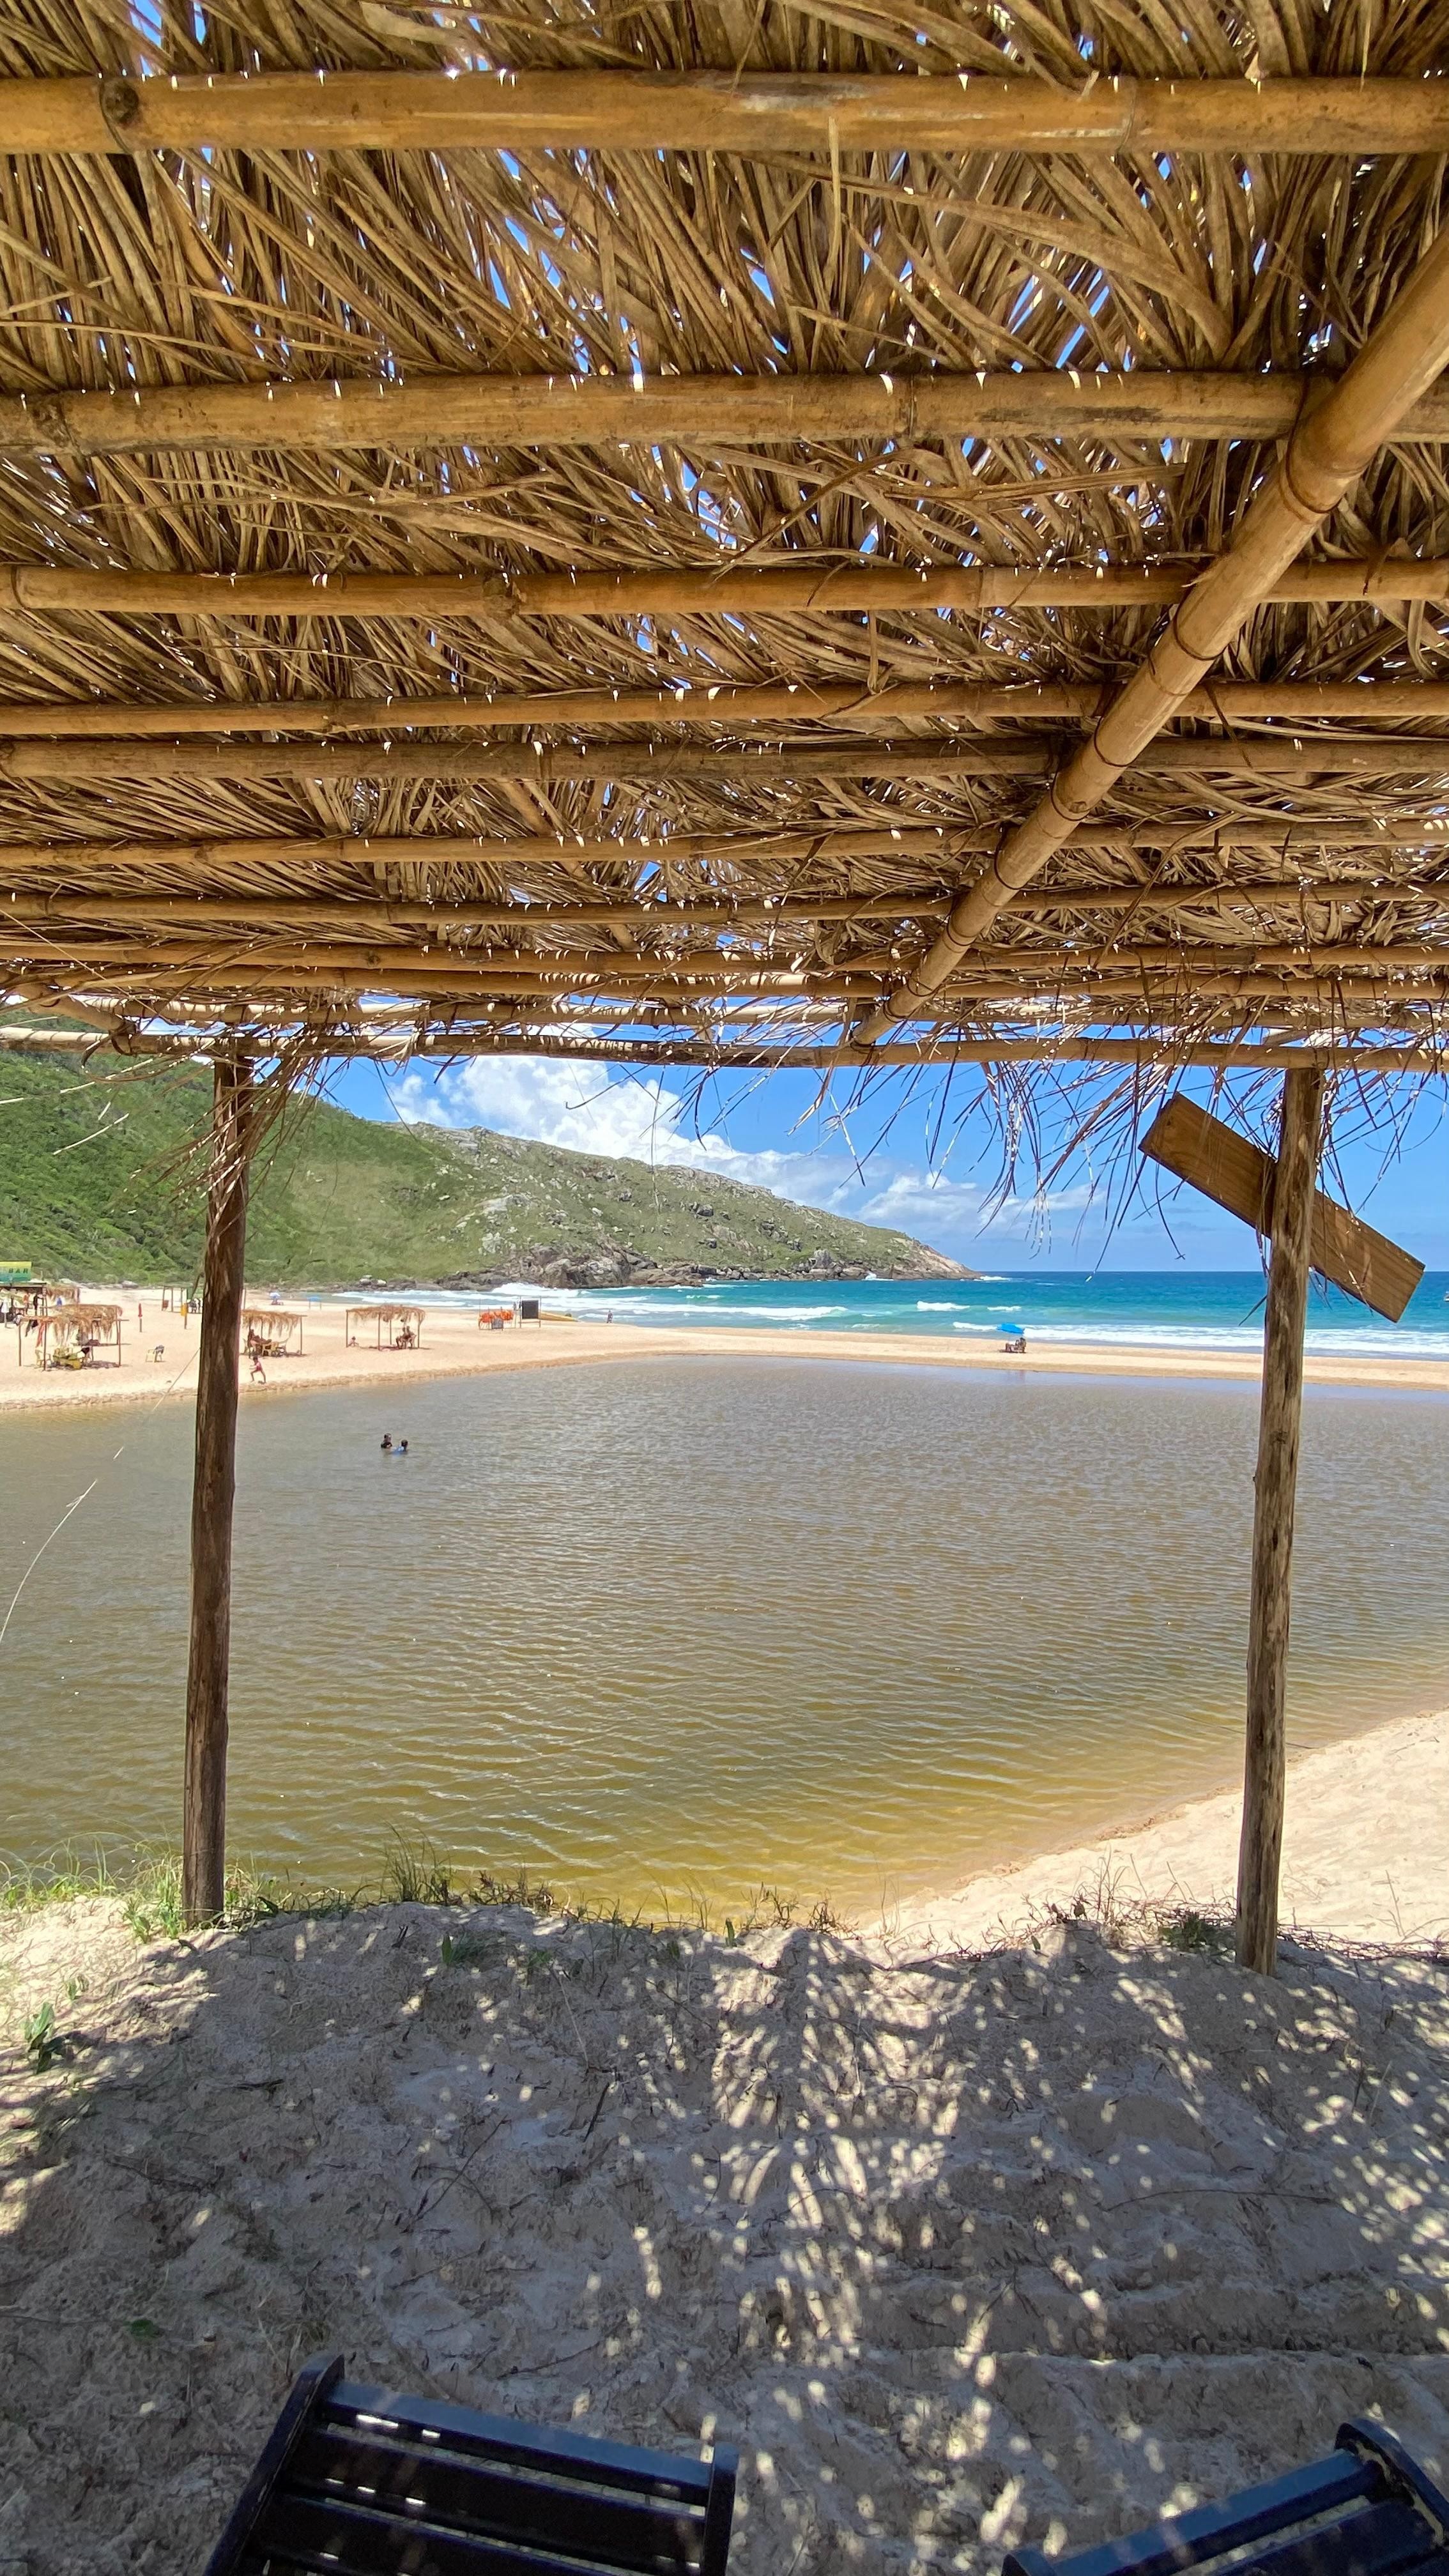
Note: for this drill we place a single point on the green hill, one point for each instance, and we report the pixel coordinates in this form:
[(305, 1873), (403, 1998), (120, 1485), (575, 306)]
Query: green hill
[(85, 1191)]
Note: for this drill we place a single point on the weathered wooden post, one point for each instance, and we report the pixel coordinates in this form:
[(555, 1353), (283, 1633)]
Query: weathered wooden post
[(1280, 1420), (203, 1874), (1307, 1232)]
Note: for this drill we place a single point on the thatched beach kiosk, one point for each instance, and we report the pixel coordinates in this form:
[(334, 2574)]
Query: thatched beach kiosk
[(273, 1332), (78, 1336), (729, 539), (394, 1328)]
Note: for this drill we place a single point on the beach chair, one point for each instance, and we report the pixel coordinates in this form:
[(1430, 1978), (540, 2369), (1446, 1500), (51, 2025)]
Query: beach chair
[(363, 2483), (1367, 2510)]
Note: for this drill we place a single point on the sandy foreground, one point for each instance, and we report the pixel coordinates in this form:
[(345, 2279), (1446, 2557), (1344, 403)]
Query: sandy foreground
[(454, 1346), (963, 2239)]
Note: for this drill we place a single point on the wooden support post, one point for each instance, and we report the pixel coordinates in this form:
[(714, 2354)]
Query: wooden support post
[(213, 1488), (1280, 1420)]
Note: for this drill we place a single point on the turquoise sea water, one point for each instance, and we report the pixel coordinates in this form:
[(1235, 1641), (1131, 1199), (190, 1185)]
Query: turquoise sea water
[(1162, 1310)]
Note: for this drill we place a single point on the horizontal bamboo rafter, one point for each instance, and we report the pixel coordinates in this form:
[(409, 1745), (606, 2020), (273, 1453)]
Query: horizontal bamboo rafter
[(363, 913), (1279, 757), (718, 111), (848, 587), (703, 414), (720, 703), (1146, 1050), (1372, 839)]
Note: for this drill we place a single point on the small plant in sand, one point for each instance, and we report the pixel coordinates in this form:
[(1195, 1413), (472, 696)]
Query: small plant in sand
[(412, 1874), (43, 2042), (24, 1886), (1188, 1930), (154, 1912), (519, 1890)]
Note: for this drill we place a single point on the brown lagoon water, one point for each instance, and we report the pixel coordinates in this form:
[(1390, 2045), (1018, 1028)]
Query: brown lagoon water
[(672, 1629)]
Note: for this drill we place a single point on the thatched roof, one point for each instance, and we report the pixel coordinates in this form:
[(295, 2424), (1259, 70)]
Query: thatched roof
[(82, 1323), (760, 479)]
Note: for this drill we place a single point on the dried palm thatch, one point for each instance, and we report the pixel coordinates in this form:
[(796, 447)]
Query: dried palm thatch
[(271, 1329), (597, 562), (395, 1328), (77, 1331)]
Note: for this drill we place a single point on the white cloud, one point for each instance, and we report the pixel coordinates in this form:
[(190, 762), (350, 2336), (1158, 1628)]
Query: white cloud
[(581, 1107)]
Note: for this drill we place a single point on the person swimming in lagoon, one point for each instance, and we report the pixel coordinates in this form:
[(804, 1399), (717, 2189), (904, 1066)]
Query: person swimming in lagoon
[(386, 1442)]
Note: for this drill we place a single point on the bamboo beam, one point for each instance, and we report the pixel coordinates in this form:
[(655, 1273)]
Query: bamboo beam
[(524, 764), (1147, 1049), (546, 850), (1017, 961), (724, 111), (1275, 1491), (203, 1866), (329, 909), (143, 971), (852, 587), (1370, 837), (1325, 456), (702, 414), (528, 763), (788, 703)]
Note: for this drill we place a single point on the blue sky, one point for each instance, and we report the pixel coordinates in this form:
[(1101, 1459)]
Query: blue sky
[(919, 1158)]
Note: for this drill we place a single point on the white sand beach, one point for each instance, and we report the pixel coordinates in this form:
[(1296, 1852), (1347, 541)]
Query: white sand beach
[(453, 1346), (1365, 1854), (958, 2246)]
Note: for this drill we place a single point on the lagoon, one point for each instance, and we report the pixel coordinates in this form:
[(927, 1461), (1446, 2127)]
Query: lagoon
[(671, 1630)]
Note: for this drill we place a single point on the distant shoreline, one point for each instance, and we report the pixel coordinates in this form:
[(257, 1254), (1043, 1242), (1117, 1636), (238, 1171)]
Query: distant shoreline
[(454, 1346)]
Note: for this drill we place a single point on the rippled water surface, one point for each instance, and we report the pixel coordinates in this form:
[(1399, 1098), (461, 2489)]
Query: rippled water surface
[(682, 1627)]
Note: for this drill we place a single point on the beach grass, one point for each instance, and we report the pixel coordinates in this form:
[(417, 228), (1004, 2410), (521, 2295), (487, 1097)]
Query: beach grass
[(147, 1884)]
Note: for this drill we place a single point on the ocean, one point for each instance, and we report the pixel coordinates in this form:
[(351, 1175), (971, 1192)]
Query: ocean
[(1148, 1310)]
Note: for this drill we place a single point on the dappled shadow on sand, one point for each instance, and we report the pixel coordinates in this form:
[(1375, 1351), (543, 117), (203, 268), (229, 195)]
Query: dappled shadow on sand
[(958, 2250)]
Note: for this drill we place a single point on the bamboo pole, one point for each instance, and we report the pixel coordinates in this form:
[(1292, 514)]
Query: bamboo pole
[(335, 910), (1326, 454), (549, 850), (148, 988), (717, 111), (1275, 1489), (212, 1492), (533, 764), (1148, 1050), (1369, 837), (720, 703), (829, 586), (704, 414)]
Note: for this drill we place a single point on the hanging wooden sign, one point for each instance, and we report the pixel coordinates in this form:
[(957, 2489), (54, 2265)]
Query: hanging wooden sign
[(1239, 1176)]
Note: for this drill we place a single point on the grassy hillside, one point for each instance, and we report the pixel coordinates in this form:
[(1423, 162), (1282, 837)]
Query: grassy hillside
[(83, 1190)]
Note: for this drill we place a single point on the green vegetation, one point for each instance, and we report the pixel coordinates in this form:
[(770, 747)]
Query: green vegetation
[(412, 1873), (87, 1150)]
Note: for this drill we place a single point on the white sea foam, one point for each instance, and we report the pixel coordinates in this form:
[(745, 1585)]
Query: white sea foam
[(938, 1306), (718, 1310), (1351, 1342)]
